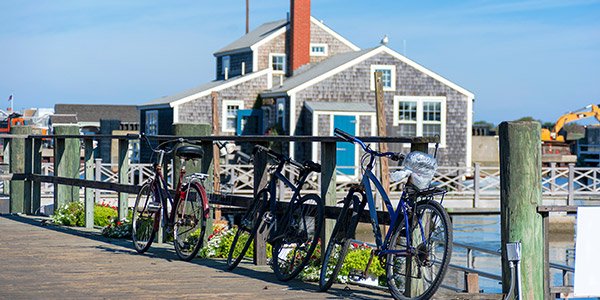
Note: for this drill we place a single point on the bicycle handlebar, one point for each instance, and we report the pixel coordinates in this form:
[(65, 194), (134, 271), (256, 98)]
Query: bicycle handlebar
[(163, 144), (352, 139), (282, 158)]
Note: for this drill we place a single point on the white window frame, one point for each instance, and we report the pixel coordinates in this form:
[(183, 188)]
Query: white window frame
[(420, 100), (392, 69), (324, 46), (271, 55), (151, 119), (225, 64), (226, 103), (280, 114)]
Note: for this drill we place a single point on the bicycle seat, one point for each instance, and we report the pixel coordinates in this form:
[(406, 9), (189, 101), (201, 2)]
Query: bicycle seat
[(190, 152), (312, 166)]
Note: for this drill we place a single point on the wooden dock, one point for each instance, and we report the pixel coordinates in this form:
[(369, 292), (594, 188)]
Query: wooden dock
[(40, 260)]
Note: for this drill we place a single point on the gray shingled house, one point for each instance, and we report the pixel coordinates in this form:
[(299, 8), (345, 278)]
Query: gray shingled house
[(299, 77)]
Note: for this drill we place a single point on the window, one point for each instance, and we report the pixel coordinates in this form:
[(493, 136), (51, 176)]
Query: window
[(278, 62), (318, 49), (151, 122), (281, 113), (420, 116), (388, 76), (230, 112), (225, 65)]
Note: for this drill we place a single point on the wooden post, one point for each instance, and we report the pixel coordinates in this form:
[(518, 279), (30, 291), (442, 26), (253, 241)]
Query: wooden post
[(381, 131), (520, 194), (188, 129), (260, 182), (420, 144), (66, 164), (571, 197), (123, 176), (17, 161), (471, 283), (36, 194), (98, 177), (476, 184), (207, 166), (328, 184), (216, 158), (88, 160)]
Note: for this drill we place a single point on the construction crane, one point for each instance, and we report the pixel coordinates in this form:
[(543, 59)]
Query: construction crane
[(553, 136)]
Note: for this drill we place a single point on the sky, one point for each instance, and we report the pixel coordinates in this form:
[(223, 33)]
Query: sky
[(538, 58)]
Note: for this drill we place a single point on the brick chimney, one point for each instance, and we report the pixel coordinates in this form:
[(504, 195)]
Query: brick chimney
[(300, 34)]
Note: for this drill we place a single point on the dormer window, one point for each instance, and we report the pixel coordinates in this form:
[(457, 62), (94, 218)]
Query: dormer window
[(318, 49), (277, 62), (225, 65)]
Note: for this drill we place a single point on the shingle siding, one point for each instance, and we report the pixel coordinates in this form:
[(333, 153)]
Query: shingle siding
[(235, 63), (353, 85), (334, 45), (200, 110)]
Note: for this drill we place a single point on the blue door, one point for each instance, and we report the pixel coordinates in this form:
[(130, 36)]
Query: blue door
[(345, 151), (250, 122)]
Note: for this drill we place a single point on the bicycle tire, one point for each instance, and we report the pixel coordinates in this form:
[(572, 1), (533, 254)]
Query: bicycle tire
[(429, 261), (297, 236), (146, 213), (247, 229), (338, 245), (189, 225)]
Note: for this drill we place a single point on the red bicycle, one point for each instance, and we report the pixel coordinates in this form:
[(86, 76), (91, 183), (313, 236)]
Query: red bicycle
[(182, 215)]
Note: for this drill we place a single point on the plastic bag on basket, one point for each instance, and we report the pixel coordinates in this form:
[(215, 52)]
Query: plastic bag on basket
[(421, 165)]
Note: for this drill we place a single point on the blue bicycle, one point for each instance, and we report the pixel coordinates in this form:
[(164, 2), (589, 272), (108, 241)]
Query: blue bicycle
[(417, 248)]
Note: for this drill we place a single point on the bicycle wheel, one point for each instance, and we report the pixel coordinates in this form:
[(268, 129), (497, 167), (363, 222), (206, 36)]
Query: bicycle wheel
[(297, 237), (418, 275), (190, 223), (146, 214), (247, 229), (338, 245)]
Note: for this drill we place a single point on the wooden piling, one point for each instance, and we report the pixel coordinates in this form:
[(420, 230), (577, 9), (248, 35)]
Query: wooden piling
[(328, 184), (88, 161), (520, 194), (18, 195), (66, 164), (260, 182), (123, 167)]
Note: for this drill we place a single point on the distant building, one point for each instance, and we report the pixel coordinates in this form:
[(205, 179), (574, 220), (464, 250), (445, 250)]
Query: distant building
[(88, 116), (300, 77)]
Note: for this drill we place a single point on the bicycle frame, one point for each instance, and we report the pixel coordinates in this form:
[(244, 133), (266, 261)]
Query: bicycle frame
[(159, 184)]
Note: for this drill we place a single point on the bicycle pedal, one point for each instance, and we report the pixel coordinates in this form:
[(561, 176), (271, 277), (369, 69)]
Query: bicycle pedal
[(356, 274)]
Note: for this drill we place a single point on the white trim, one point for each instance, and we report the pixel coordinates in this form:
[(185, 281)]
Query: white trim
[(255, 61), (420, 122), (292, 129), (427, 72), (469, 132), (372, 53), (268, 38), (333, 33), (176, 114), (333, 72), (224, 104), (271, 63), (392, 69), (325, 49), (225, 85)]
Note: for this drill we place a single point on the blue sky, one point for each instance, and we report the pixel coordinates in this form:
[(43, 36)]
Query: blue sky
[(520, 58)]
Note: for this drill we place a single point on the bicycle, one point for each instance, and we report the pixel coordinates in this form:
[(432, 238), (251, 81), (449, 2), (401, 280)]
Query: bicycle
[(415, 257), (182, 215), (292, 231)]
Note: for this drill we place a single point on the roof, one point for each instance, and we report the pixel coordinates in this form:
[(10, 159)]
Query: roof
[(168, 99), (93, 113), (201, 90), (63, 119), (316, 69), (335, 106), (317, 72), (254, 36)]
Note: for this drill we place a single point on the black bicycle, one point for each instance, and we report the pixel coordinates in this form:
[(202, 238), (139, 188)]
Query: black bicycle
[(184, 215), (416, 250), (293, 228)]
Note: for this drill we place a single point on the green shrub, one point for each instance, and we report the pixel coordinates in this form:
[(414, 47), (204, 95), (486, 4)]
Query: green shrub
[(103, 214), (70, 214)]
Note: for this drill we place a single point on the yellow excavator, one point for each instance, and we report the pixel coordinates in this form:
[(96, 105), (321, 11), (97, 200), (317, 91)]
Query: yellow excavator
[(553, 136)]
